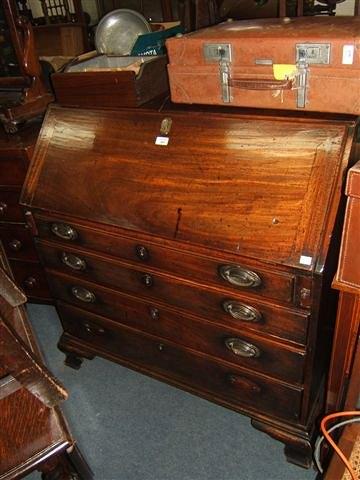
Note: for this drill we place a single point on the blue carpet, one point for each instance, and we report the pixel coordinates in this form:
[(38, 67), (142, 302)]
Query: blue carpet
[(132, 427)]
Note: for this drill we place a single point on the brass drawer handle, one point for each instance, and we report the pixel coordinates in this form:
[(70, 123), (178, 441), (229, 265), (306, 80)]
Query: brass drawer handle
[(72, 261), (93, 329), (15, 245), (64, 231), (3, 208), (241, 311), (142, 253), (147, 280), (238, 276), (242, 348), (83, 294)]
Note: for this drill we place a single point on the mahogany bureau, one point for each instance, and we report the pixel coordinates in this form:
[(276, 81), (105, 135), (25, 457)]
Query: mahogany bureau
[(196, 247), (15, 155)]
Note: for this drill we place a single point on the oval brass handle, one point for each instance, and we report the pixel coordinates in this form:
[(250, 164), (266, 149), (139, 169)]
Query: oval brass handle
[(72, 261), (142, 253), (241, 311), (3, 208), (64, 231), (147, 280), (239, 276), (93, 329), (15, 245), (30, 282), (83, 294), (242, 348)]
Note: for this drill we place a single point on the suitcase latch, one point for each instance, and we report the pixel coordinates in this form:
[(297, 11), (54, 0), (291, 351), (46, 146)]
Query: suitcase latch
[(216, 52), (313, 53), (225, 81), (301, 80), (221, 53), (309, 54)]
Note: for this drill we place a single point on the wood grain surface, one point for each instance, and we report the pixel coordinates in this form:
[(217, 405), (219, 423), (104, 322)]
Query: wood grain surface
[(228, 182), (194, 190), (30, 431), (277, 321), (232, 383), (15, 154)]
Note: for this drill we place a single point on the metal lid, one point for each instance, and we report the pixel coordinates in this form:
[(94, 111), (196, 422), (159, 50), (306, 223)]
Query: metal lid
[(118, 31)]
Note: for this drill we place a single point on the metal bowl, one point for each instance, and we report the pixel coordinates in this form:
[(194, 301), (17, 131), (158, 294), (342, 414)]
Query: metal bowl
[(118, 31)]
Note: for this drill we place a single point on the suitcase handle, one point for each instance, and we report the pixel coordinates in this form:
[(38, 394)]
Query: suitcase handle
[(262, 84)]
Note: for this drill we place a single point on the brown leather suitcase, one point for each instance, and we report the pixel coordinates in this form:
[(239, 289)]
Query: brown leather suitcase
[(294, 64)]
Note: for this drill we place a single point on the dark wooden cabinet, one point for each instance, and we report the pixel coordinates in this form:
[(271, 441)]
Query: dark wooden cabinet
[(197, 247), (88, 83), (15, 154)]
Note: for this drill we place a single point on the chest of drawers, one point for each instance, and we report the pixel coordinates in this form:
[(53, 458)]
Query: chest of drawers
[(15, 155), (197, 248)]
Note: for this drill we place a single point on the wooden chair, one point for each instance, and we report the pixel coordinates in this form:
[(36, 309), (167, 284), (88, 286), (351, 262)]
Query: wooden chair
[(33, 431), (62, 28), (34, 96)]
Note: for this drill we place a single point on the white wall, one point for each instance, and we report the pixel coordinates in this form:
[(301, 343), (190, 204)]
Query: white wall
[(345, 8), (89, 6), (36, 9), (35, 6)]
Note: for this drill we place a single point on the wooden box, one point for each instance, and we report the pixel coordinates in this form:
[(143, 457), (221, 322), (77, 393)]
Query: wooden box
[(99, 82)]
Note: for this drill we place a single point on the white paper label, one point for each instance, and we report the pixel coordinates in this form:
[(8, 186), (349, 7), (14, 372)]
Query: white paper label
[(162, 141), (348, 55), (305, 260)]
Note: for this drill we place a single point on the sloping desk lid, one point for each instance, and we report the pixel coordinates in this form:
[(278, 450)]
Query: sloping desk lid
[(263, 187)]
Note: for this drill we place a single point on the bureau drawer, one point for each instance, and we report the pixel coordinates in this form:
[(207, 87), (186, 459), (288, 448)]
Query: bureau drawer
[(10, 210), (211, 304), (233, 345), (18, 242), (158, 356), (30, 277), (226, 271)]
